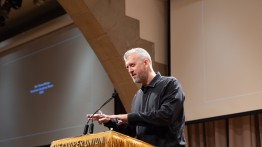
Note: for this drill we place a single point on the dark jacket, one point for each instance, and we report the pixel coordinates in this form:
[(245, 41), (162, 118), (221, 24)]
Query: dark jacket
[(157, 114)]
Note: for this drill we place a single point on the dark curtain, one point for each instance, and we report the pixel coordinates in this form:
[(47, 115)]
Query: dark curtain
[(242, 131)]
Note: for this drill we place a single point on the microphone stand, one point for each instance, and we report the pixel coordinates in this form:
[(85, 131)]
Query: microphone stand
[(114, 95)]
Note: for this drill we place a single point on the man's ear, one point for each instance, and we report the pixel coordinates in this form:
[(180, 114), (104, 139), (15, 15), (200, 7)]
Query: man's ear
[(146, 61)]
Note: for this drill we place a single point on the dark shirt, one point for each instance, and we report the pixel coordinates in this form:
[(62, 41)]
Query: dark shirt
[(157, 114)]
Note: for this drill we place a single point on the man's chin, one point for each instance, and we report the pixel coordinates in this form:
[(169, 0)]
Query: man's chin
[(136, 81)]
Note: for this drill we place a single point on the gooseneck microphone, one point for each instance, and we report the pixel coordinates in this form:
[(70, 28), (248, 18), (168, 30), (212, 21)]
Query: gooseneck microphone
[(114, 95)]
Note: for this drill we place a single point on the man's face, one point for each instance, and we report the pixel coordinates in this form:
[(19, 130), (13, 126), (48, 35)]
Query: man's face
[(136, 68)]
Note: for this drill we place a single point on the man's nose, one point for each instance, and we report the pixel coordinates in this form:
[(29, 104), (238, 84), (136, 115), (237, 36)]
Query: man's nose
[(130, 70)]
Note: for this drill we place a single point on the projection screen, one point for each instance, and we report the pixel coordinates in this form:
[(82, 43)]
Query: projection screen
[(47, 86)]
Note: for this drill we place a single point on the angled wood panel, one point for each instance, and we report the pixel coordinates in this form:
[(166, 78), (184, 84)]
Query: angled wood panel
[(110, 33)]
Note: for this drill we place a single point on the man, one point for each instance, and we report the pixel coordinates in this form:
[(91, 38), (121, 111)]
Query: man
[(157, 112)]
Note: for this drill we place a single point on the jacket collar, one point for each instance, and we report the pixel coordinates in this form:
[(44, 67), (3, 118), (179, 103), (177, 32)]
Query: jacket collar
[(152, 83)]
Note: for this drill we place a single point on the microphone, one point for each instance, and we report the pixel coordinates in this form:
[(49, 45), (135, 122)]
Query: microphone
[(114, 95), (86, 128)]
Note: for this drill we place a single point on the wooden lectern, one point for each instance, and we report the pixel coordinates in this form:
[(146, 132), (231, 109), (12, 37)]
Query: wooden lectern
[(103, 139)]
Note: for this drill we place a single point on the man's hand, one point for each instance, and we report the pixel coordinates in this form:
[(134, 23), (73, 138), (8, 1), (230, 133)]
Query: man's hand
[(103, 118), (100, 118)]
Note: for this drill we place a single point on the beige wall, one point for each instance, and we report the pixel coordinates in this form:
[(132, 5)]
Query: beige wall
[(216, 54), (152, 15)]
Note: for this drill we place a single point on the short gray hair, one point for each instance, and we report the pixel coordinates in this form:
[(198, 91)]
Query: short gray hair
[(140, 52)]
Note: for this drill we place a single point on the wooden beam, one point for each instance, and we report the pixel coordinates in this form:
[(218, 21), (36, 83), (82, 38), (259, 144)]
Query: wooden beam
[(87, 15)]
